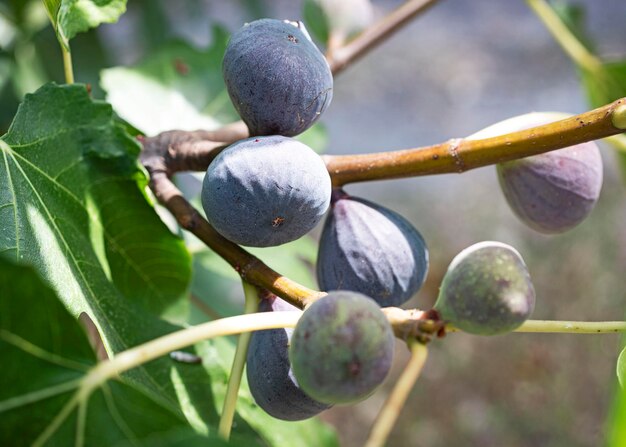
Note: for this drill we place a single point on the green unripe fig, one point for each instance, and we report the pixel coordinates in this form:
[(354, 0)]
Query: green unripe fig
[(342, 348), (487, 290)]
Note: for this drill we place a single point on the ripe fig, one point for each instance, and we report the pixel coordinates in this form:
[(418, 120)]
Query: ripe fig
[(555, 191), (342, 348), (269, 373), (266, 191), (370, 249), (277, 79), (487, 290)]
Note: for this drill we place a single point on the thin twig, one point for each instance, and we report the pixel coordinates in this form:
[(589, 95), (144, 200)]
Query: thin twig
[(395, 402), (341, 57)]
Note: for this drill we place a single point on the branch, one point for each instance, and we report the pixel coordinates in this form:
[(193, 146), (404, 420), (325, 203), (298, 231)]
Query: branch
[(179, 150), (192, 151), (250, 268), (460, 155), (340, 58)]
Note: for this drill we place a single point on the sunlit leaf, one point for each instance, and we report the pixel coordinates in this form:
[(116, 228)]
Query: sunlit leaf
[(72, 207), (70, 17), (178, 87)]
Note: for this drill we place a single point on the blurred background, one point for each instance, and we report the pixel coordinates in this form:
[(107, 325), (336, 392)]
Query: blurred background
[(455, 69)]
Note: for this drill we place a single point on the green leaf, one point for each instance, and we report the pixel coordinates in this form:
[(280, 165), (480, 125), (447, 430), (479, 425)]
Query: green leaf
[(52, 8), (70, 17), (69, 204), (45, 355), (70, 207), (179, 87), (316, 21)]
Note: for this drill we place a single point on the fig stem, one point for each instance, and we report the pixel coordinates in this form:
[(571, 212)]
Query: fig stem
[(566, 327), (573, 327), (460, 155), (395, 401), (340, 58), (251, 306)]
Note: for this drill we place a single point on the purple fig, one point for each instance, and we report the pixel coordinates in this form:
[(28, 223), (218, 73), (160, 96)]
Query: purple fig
[(555, 191)]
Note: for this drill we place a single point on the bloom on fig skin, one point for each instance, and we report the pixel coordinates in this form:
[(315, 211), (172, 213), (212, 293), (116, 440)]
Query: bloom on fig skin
[(277, 79)]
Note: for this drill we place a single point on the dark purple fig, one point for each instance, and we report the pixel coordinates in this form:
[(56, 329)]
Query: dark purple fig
[(370, 249), (269, 373), (277, 79), (266, 191), (342, 348), (555, 191), (487, 290)]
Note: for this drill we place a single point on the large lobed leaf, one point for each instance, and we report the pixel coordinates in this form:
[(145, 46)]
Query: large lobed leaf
[(70, 206)]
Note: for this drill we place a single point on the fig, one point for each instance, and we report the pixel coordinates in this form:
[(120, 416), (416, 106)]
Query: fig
[(277, 79), (487, 290), (555, 191), (342, 348), (269, 373), (266, 191), (370, 249)]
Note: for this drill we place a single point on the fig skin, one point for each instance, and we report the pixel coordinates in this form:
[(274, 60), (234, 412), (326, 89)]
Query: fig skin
[(266, 191), (555, 191), (342, 348), (269, 373), (370, 249), (487, 290), (277, 79)]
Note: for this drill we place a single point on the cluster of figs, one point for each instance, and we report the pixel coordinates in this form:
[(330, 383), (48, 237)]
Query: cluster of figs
[(271, 189)]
